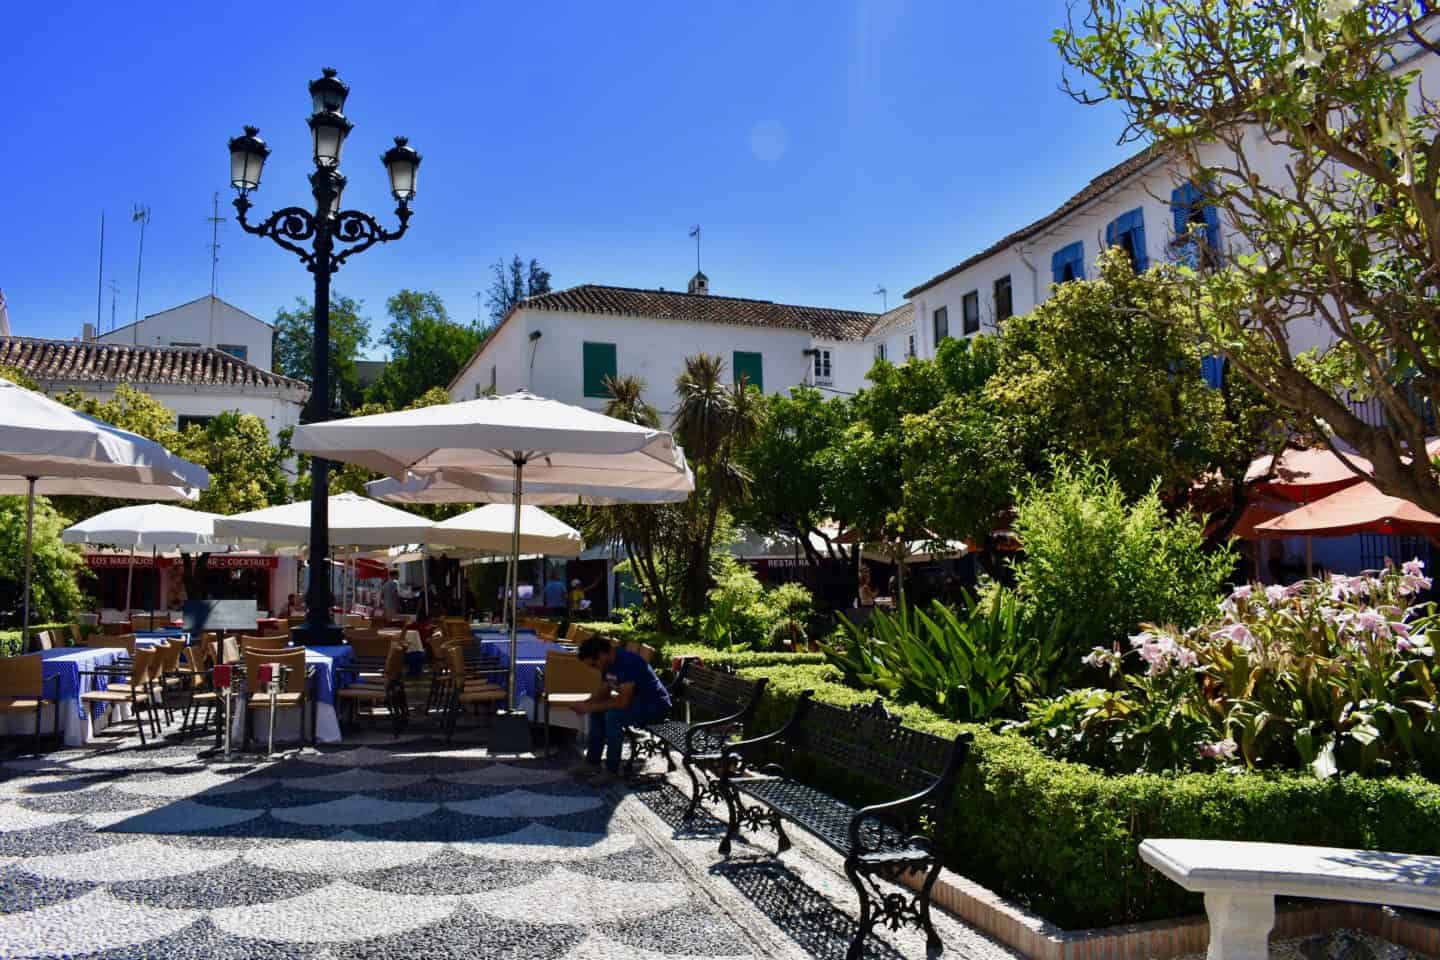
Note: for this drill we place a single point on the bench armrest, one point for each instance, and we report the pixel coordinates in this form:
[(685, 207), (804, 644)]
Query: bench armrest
[(719, 724), (897, 822), (734, 753)]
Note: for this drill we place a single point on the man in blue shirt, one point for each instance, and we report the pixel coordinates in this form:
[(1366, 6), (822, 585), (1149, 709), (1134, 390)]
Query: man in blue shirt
[(555, 595), (633, 696)]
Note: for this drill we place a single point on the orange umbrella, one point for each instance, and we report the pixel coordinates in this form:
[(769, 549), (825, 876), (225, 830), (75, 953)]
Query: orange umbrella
[(1304, 476), (1361, 508)]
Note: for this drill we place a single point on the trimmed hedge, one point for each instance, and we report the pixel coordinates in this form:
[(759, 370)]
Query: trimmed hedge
[(1062, 838)]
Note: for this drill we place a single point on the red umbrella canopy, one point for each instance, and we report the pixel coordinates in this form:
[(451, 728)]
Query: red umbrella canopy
[(1361, 508), (1304, 476)]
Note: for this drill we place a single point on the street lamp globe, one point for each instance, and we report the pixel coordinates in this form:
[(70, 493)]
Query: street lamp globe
[(329, 128), (401, 163), (247, 159), (328, 92)]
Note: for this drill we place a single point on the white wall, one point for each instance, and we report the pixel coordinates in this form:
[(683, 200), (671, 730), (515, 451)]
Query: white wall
[(651, 349), (277, 412), (194, 324)]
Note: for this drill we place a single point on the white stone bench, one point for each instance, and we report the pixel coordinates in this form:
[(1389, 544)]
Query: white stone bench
[(1240, 882)]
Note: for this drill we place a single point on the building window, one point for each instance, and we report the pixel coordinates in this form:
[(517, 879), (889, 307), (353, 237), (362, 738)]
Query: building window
[(182, 343), (750, 367), (1127, 232), (910, 347), (193, 420), (1212, 369), (880, 351), (237, 350), (1197, 228), (1068, 263), (940, 322), (970, 313), (1004, 300), (493, 388), (599, 362), (822, 367)]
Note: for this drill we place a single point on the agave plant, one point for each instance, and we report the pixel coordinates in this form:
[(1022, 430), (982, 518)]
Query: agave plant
[(972, 664)]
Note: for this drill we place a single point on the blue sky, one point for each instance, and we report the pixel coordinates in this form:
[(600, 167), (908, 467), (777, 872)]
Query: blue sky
[(825, 147)]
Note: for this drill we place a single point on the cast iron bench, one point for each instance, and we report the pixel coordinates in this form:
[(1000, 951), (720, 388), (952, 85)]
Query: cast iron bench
[(1241, 880), (884, 840), (710, 707)]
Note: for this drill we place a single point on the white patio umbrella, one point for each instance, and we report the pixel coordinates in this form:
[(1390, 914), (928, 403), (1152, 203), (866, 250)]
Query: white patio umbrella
[(457, 486), (154, 525), (355, 521), (51, 449), (518, 437), (491, 527)]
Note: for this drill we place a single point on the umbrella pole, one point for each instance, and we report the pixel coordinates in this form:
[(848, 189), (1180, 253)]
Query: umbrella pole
[(425, 581), (29, 547), (515, 575), (154, 585), (129, 581)]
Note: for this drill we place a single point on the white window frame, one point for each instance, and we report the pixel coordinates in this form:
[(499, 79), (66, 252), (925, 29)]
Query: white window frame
[(824, 367), (229, 348)]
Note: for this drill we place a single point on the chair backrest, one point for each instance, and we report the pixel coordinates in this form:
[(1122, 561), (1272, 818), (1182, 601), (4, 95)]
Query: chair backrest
[(578, 634), (356, 620), (453, 657), (144, 666), (394, 662), (142, 621), (22, 676), (114, 629), (44, 640), (231, 648), (643, 650), (76, 637), (870, 744), (125, 640), (294, 659), (264, 643), (564, 673), (170, 659), (295, 621), (354, 633), (371, 645)]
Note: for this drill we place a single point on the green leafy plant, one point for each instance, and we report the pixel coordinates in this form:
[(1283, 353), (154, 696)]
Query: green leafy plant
[(974, 664)]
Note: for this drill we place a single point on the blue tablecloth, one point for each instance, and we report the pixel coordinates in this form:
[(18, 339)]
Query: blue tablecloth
[(167, 633), (529, 657), (68, 663), (324, 660)]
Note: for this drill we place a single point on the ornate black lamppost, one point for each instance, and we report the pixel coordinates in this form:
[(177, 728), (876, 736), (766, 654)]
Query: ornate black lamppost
[(323, 240)]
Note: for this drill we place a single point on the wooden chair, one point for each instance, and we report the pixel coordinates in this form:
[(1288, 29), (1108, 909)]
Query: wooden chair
[(644, 650), (77, 639), (357, 620), (22, 689), (388, 689), (142, 621), (467, 688), (295, 696), (123, 640), (137, 689), (578, 634), (547, 630), (248, 643), (567, 682), (44, 640), (352, 634), (198, 661)]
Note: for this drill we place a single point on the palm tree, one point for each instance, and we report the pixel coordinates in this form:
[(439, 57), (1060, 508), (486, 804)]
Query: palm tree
[(714, 421)]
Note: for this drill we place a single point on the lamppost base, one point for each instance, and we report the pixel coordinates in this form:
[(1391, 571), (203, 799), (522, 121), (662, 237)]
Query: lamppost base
[(321, 635), (510, 733)]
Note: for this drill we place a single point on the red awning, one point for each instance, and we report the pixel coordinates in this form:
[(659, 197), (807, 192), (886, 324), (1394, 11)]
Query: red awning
[(1361, 508)]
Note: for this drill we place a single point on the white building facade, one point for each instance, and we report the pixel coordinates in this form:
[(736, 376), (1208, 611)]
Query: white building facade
[(563, 345), (206, 322)]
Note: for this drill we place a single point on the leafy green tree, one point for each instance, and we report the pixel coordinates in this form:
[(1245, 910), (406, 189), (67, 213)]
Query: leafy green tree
[(715, 421), (57, 569), (1346, 234), (427, 348), (513, 283), (792, 454), (349, 336), (18, 378), (247, 471)]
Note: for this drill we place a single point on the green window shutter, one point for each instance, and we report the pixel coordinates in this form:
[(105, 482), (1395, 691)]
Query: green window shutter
[(599, 361), (751, 367)]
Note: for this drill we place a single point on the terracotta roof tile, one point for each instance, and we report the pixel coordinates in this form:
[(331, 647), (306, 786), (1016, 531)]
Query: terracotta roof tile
[(705, 308), (898, 317), (1105, 181), (89, 361)]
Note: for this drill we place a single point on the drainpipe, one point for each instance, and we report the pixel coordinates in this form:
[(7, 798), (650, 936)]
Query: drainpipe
[(1034, 277)]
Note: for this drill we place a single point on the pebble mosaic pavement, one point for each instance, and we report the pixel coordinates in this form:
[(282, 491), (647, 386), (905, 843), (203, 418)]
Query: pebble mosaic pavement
[(391, 849)]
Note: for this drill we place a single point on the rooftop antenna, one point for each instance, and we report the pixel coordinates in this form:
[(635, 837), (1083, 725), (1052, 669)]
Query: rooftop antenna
[(114, 293), (884, 296), (141, 215), (214, 220), (695, 232), (100, 274), (478, 295)]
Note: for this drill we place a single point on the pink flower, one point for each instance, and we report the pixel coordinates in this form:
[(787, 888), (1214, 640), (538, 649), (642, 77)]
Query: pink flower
[(1275, 594), (1242, 592), (1099, 657), (1220, 749), (1186, 657), (1236, 633), (1413, 568)]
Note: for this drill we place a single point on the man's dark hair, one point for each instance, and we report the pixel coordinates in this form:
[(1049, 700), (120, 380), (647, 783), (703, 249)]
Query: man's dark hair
[(592, 646)]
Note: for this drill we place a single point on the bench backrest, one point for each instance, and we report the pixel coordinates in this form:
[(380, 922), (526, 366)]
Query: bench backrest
[(708, 694), (870, 745)]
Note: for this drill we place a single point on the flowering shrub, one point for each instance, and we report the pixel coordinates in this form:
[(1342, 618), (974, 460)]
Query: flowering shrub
[(1332, 674)]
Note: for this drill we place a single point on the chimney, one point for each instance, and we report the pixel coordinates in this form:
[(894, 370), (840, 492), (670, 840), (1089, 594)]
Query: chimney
[(699, 284), (87, 332)]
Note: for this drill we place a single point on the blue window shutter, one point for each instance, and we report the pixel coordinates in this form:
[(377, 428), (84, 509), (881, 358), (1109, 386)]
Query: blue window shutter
[(1137, 242), (1072, 256), (1212, 369), (1212, 227)]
